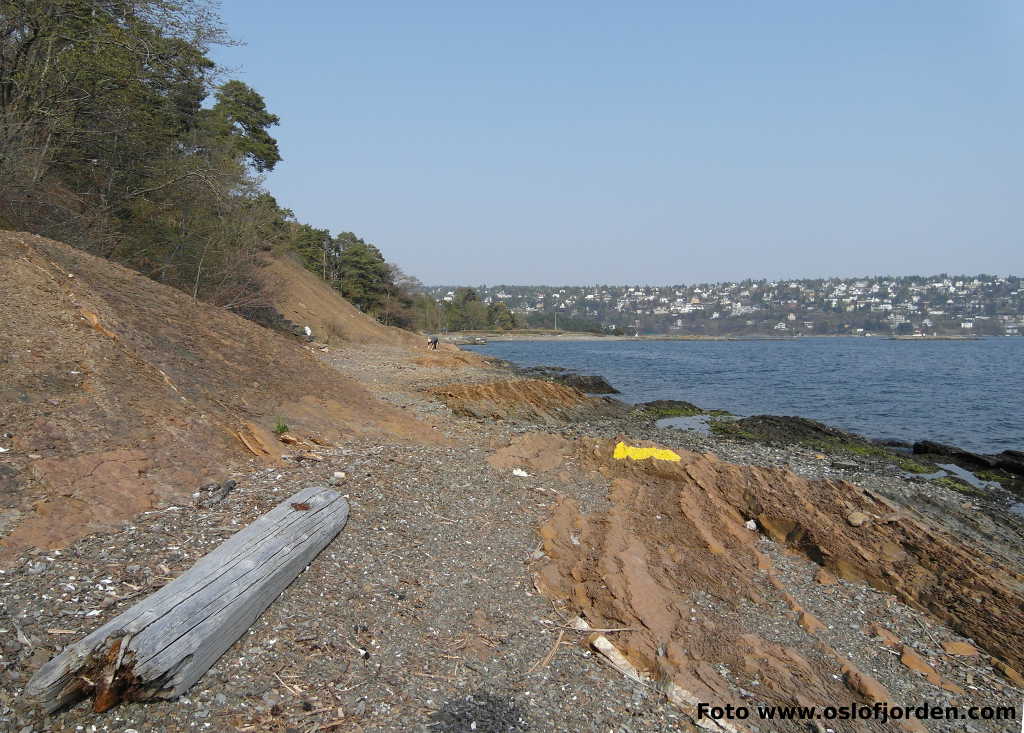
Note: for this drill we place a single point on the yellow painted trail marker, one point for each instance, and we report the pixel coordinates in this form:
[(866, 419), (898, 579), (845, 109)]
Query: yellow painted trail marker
[(637, 453)]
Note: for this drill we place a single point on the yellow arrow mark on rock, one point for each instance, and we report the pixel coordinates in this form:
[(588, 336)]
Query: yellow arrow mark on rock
[(637, 453)]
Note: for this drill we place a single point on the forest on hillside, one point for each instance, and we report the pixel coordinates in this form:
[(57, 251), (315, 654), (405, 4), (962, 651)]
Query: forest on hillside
[(119, 135)]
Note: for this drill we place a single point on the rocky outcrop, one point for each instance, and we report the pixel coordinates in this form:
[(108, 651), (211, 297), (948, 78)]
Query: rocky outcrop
[(1011, 461), (966, 459), (788, 429), (677, 533), (589, 383), (671, 408), (536, 372), (530, 400), (899, 445), (1007, 467), (677, 408)]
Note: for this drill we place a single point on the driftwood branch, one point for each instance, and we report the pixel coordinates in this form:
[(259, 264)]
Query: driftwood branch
[(158, 648)]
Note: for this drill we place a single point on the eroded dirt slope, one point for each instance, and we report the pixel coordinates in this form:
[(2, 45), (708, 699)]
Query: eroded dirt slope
[(119, 392), (307, 300)]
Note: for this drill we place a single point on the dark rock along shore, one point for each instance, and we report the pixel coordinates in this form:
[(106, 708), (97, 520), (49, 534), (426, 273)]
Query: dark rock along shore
[(588, 383)]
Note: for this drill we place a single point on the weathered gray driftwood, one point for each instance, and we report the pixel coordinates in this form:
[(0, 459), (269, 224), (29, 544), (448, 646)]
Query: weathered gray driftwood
[(162, 645)]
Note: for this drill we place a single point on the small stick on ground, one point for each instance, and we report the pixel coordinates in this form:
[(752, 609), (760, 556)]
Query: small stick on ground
[(602, 631), (294, 690), (928, 631), (551, 654)]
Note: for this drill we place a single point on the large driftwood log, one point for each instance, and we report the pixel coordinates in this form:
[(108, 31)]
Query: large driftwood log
[(162, 645)]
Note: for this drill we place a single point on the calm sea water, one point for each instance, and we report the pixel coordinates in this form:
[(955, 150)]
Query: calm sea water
[(968, 393)]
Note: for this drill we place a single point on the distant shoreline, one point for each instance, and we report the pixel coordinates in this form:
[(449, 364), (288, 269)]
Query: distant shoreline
[(466, 338)]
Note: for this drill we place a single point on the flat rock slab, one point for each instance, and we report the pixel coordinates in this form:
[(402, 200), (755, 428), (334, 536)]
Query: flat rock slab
[(159, 647)]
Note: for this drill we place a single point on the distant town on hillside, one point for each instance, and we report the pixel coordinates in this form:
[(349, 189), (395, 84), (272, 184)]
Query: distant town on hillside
[(983, 305)]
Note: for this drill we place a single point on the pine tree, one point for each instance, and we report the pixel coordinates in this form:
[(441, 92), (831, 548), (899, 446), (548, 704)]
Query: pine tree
[(365, 278), (241, 116)]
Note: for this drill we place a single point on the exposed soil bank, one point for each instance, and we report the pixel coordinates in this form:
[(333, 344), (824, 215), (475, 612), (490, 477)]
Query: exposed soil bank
[(121, 394)]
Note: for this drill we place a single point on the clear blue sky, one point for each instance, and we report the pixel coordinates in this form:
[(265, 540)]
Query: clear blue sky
[(574, 143)]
